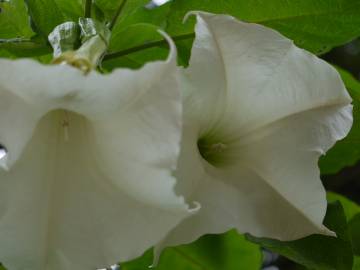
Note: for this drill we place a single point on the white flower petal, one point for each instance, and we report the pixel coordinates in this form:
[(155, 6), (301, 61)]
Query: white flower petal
[(18, 114), (93, 184), (58, 210), (28, 90), (148, 130), (274, 189), (252, 75), (266, 110), (135, 118)]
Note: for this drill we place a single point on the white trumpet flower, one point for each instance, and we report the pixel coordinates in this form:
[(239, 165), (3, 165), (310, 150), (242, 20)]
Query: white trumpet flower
[(258, 113), (87, 179)]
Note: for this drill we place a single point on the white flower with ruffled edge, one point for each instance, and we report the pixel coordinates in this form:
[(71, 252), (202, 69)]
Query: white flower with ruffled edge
[(87, 179), (258, 113)]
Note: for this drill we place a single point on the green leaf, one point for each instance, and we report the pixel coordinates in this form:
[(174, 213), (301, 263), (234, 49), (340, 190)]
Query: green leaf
[(354, 230), (351, 83), (45, 15), (137, 28), (140, 263), (71, 9), (97, 13), (350, 207), (133, 36), (317, 251), (155, 16), (109, 7), (14, 20), (6, 54), (356, 263), (352, 212), (347, 151), (314, 25), (228, 251), (32, 47)]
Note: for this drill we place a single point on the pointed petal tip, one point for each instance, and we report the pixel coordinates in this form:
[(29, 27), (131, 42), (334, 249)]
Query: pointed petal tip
[(197, 13), (325, 231), (190, 208), (189, 14), (204, 15), (172, 46), (194, 207)]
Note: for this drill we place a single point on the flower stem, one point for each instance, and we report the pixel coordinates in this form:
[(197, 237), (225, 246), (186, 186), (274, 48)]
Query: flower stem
[(88, 4), (146, 46), (117, 14)]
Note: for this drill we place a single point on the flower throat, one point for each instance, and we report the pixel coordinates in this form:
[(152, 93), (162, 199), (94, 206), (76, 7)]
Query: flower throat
[(212, 151)]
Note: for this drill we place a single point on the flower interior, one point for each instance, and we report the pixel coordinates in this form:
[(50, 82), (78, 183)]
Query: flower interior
[(213, 150)]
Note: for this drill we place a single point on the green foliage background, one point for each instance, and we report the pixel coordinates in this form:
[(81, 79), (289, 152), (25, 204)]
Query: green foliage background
[(317, 26)]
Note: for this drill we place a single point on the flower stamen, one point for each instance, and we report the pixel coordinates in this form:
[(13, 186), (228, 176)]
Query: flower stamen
[(65, 125)]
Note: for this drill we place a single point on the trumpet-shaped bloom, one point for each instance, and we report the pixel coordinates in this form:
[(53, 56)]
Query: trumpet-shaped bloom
[(87, 180), (258, 113)]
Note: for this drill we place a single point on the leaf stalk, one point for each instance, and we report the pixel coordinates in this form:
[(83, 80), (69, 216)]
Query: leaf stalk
[(88, 5), (117, 14), (153, 44)]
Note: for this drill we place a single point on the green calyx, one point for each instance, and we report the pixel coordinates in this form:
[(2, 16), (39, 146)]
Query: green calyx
[(64, 37), (81, 44)]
